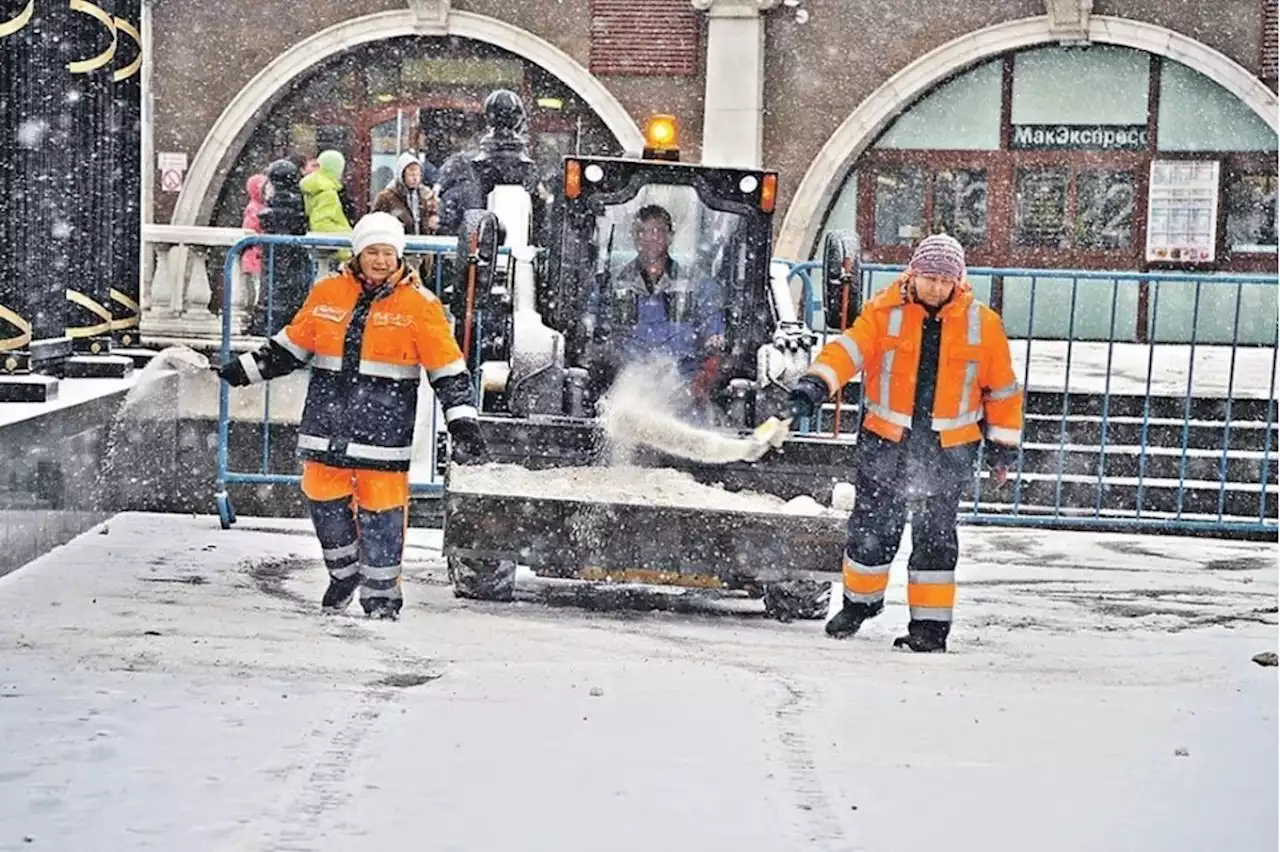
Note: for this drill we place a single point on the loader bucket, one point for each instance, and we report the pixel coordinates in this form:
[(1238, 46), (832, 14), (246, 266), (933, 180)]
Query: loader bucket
[(699, 528)]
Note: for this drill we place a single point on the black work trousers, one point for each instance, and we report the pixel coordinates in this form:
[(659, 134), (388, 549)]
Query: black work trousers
[(883, 501)]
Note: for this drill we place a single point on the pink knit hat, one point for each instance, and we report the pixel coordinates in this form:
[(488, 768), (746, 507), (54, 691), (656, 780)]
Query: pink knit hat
[(940, 255)]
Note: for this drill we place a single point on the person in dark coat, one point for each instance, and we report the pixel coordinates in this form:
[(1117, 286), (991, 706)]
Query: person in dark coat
[(286, 270), (409, 198)]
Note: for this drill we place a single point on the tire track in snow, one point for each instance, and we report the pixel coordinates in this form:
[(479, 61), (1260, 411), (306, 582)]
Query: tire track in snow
[(325, 791), (302, 822), (817, 822), (820, 823)]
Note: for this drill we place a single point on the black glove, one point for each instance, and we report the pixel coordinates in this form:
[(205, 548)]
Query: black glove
[(1001, 458), (999, 455), (233, 373), (805, 397), (468, 442)]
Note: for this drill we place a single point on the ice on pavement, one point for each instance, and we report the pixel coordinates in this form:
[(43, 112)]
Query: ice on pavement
[(168, 685)]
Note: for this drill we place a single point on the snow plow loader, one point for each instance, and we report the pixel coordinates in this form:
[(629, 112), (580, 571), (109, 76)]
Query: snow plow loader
[(639, 255)]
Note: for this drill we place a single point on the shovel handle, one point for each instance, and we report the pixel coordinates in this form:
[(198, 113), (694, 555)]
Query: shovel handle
[(846, 276), (472, 262)]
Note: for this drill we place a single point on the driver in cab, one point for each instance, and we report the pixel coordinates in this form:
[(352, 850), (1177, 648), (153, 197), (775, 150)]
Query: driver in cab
[(658, 309)]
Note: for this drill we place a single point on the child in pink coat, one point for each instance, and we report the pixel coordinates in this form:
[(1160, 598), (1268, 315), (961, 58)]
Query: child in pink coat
[(251, 259)]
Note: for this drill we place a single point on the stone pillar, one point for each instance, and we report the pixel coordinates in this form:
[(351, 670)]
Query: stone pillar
[(733, 126)]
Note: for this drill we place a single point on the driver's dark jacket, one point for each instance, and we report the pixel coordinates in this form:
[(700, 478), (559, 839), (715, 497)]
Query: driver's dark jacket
[(673, 315)]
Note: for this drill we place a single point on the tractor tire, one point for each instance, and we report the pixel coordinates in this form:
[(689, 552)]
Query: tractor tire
[(789, 600), (482, 579)]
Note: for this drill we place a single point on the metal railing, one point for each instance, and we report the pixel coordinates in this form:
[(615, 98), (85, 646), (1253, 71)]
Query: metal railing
[(1194, 421), (1172, 437), (423, 477)]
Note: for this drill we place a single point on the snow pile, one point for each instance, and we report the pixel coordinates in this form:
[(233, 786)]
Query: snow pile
[(627, 484), (641, 409)]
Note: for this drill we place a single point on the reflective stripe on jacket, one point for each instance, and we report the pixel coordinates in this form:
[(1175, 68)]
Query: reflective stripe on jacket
[(975, 381), (366, 348)]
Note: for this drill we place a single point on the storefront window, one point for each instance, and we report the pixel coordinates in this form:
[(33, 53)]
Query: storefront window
[(899, 206), (1040, 208), (1042, 156), (1251, 214), (1196, 114), (960, 204), (961, 114), (1099, 85), (1104, 209)]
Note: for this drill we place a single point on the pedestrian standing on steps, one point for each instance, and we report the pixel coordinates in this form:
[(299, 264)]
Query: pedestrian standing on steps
[(367, 334), (938, 378)]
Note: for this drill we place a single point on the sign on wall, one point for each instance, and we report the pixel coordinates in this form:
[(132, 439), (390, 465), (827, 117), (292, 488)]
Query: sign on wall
[(1079, 137), (1182, 211), (172, 167)]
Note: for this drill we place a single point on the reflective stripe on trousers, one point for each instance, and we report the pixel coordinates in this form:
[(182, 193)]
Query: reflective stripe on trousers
[(335, 526), (381, 550), (931, 595), (864, 584)]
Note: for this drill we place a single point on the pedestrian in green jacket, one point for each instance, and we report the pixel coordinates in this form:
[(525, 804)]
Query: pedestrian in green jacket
[(320, 198)]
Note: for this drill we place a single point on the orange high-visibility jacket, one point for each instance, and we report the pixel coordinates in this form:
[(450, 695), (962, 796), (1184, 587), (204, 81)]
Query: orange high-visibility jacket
[(366, 349), (976, 381)]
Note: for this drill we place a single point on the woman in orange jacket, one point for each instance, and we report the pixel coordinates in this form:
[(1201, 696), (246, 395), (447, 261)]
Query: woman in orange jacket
[(367, 334), (938, 377)]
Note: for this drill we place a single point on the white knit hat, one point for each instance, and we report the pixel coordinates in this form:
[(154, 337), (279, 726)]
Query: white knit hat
[(378, 229)]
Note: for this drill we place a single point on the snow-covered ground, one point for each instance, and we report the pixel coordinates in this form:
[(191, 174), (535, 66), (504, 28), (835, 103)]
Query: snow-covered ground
[(71, 392), (168, 685)]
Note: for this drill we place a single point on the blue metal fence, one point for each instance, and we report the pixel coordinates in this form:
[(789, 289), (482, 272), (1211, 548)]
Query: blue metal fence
[(1119, 435), (437, 247), (1156, 406)]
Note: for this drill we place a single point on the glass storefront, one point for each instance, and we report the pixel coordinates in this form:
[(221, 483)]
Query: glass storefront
[(411, 94), (1045, 157), (1096, 157)]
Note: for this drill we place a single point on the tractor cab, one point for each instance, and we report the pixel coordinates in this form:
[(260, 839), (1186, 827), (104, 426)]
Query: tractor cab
[(652, 257), (636, 258)]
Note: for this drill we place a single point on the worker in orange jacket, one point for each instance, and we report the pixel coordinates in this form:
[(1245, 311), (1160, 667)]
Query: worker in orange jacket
[(937, 374), (367, 333)]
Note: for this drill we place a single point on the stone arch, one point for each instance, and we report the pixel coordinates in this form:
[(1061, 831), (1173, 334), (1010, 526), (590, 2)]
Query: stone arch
[(814, 195), (234, 126)]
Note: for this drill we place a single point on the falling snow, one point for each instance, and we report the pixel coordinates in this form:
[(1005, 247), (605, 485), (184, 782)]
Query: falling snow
[(168, 683)]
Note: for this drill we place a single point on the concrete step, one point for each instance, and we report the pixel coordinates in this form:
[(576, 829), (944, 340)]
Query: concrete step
[(1245, 466), (1125, 494)]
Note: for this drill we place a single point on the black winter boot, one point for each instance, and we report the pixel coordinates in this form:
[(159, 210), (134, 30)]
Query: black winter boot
[(340, 593), (848, 620), (382, 608), (923, 640)]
